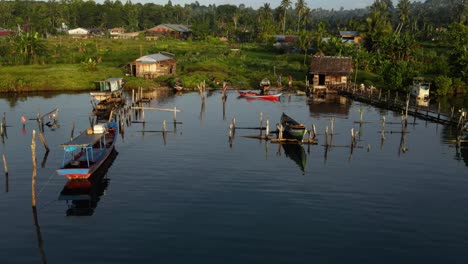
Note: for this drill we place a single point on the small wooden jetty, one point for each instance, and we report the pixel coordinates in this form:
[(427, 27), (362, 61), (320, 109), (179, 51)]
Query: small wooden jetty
[(394, 103)]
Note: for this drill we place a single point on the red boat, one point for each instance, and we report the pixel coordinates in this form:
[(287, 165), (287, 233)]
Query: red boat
[(253, 95)]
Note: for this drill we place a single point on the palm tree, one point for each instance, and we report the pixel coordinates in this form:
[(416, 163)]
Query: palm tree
[(403, 14), (285, 4), (300, 8)]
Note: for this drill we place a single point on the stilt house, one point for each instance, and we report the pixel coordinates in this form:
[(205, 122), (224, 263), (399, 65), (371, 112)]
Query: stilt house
[(327, 71), (153, 65)]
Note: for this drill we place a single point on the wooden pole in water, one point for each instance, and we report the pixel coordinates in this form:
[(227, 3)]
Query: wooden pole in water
[(361, 112), (164, 126), (233, 122), (175, 114), (352, 137), (314, 130), (438, 112), (326, 135), (267, 129), (41, 137), (383, 127), (133, 96), (33, 157), (261, 122), (72, 131), (280, 132), (5, 165), (332, 125)]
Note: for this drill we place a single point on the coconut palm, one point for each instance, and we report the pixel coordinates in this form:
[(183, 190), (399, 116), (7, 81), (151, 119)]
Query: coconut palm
[(403, 14), (300, 8), (285, 4)]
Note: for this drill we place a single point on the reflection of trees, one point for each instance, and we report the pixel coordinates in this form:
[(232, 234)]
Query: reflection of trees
[(14, 98)]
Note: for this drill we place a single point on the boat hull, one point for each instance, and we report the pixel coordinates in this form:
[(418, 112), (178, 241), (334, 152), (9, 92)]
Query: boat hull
[(292, 129), (252, 95), (86, 162)]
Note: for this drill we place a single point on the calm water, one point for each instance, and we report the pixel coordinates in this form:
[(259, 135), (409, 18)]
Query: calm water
[(192, 198)]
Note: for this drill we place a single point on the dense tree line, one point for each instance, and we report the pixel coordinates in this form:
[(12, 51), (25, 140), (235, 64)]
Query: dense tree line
[(393, 34)]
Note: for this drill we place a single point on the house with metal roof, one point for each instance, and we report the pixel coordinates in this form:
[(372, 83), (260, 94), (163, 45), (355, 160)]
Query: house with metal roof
[(153, 65), (170, 30), (351, 37)]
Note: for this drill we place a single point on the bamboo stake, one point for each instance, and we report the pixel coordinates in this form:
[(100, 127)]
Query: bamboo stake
[(267, 129), (41, 137), (5, 165), (33, 157), (72, 131)]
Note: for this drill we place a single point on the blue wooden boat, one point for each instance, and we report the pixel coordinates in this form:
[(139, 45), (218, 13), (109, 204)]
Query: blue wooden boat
[(292, 128), (83, 155)]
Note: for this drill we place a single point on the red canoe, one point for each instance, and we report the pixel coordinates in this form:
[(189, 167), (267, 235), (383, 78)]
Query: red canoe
[(252, 95)]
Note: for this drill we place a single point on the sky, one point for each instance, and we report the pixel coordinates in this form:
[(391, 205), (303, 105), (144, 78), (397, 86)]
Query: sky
[(327, 4)]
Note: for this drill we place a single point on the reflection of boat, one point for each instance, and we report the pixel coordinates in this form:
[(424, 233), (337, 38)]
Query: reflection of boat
[(296, 153), (420, 88), (292, 128), (422, 102), (82, 195), (84, 154), (111, 87), (253, 95)]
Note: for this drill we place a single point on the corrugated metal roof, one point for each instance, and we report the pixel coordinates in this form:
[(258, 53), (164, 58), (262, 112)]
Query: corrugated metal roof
[(152, 58), (177, 27)]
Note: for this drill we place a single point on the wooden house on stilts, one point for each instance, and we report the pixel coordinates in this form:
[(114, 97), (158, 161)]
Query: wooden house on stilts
[(329, 71), (153, 65)]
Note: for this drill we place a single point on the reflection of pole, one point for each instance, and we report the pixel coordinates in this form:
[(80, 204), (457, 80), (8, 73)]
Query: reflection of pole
[(33, 157), (5, 165), (39, 236)]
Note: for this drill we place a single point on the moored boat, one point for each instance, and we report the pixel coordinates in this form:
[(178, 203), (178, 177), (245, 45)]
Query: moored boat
[(84, 154), (292, 128), (108, 88), (253, 95), (420, 89)]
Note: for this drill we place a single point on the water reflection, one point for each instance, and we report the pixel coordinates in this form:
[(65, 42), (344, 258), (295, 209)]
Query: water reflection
[(82, 196), (329, 105), (297, 154)]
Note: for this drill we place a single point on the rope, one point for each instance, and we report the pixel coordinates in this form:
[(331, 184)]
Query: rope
[(52, 174)]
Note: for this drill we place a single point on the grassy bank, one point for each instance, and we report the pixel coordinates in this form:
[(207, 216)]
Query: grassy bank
[(212, 61)]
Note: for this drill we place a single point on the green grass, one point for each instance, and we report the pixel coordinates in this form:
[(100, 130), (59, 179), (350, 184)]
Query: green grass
[(212, 61)]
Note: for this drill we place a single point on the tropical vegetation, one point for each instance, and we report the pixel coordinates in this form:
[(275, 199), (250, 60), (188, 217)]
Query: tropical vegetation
[(401, 42)]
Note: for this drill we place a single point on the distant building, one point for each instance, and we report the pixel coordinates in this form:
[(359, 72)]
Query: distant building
[(4, 32), (115, 32), (170, 30), (153, 65), (351, 37), (78, 32), (326, 71)]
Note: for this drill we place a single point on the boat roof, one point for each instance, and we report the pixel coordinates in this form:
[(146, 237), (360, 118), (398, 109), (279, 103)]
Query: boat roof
[(84, 139)]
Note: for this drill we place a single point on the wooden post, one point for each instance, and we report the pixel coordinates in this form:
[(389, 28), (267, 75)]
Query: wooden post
[(438, 112), (41, 137), (233, 122), (164, 126), (133, 96), (72, 131), (280, 131), (352, 137), (261, 122), (175, 114), (314, 130), (326, 135), (5, 165), (33, 157), (360, 114), (267, 129), (383, 127), (406, 112), (332, 125)]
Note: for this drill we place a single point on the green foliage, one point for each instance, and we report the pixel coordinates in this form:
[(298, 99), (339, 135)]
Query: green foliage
[(89, 65), (397, 76), (443, 85)]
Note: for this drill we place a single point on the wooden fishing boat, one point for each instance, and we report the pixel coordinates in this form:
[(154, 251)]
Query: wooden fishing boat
[(84, 154), (292, 128), (82, 195), (253, 95), (420, 89), (108, 88)]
